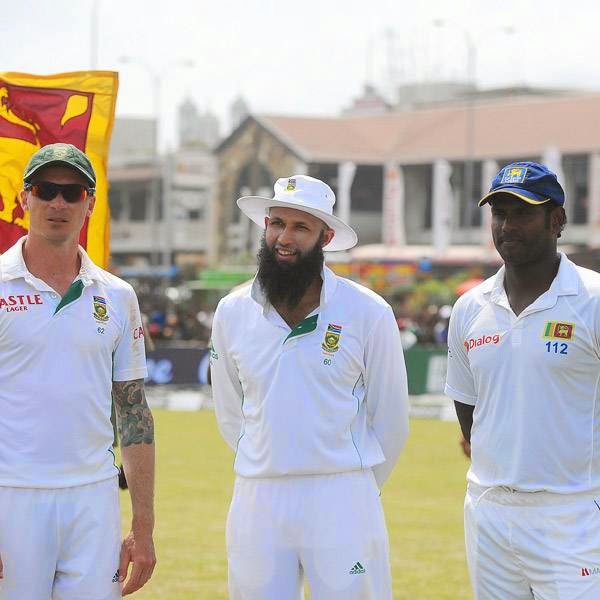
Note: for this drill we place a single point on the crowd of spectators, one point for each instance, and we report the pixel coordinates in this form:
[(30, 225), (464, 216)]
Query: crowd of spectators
[(428, 326), (170, 325)]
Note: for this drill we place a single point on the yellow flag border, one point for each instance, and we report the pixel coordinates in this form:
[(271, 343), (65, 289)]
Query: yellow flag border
[(96, 147)]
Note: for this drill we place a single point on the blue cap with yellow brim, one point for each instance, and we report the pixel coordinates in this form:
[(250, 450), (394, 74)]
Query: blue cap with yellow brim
[(530, 182)]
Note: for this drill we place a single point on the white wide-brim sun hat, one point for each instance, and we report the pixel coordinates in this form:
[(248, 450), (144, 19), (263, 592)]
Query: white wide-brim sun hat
[(307, 194)]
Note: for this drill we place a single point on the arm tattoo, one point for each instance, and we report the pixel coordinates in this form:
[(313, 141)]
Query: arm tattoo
[(136, 425)]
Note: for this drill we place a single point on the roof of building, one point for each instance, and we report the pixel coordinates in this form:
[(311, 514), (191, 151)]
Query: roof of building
[(522, 127)]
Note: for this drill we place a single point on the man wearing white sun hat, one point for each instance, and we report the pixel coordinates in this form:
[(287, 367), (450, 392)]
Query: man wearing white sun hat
[(310, 390)]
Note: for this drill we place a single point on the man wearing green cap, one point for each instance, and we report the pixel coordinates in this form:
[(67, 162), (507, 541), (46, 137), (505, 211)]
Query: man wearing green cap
[(70, 333)]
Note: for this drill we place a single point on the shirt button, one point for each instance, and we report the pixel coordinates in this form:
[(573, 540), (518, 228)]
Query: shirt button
[(53, 296)]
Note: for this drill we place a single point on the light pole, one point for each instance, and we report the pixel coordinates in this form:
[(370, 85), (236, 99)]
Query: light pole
[(156, 92), (166, 173), (94, 35), (470, 107), (155, 77)]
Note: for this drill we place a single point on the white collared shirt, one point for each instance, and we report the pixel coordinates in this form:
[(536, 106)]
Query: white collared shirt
[(534, 380), (59, 358), (329, 396)]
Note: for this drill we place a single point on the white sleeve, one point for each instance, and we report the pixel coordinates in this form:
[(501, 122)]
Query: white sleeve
[(129, 356), (386, 392), (226, 388), (460, 385)]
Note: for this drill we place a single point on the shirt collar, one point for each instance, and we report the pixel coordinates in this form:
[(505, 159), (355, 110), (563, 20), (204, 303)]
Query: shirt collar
[(566, 282), (327, 289), (12, 264)]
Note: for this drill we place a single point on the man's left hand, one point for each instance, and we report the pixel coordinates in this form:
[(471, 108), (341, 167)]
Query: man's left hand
[(139, 550)]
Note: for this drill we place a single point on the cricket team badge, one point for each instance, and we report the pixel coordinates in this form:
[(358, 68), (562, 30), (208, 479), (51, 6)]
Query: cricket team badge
[(100, 310), (514, 175), (291, 186), (555, 330), (331, 341)]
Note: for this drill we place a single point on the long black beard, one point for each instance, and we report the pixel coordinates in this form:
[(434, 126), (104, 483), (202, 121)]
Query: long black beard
[(284, 283)]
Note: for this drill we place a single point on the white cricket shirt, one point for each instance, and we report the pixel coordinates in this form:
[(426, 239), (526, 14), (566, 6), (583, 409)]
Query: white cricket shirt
[(59, 358), (329, 396), (534, 381)]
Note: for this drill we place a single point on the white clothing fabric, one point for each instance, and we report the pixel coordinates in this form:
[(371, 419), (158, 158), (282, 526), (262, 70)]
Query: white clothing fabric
[(532, 545), (59, 358), (329, 528), (534, 380), (60, 544), (329, 396)]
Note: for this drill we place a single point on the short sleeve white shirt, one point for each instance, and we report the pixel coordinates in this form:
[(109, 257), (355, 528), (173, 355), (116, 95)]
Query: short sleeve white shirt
[(534, 380), (59, 359)]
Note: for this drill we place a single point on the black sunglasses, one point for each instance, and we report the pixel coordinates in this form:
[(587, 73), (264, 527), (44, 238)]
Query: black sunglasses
[(71, 192)]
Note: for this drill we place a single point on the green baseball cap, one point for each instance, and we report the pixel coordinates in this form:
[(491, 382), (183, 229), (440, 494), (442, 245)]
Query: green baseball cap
[(63, 155)]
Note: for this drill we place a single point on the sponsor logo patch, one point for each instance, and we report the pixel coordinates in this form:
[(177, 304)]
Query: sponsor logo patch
[(484, 340), (19, 302), (589, 571), (556, 330), (100, 310), (291, 186), (331, 341)]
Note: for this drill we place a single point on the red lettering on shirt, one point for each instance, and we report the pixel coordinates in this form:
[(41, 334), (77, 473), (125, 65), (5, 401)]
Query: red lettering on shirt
[(21, 300), (481, 341), (138, 333)]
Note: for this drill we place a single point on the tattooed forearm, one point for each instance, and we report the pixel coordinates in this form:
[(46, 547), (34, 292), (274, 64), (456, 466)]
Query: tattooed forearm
[(135, 422)]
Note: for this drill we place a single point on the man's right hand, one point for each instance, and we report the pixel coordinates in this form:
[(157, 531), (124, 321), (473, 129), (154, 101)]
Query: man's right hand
[(466, 447)]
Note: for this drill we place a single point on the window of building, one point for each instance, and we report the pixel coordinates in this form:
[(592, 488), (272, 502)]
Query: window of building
[(575, 170), (115, 201), (367, 189), (468, 213), (138, 204), (253, 179), (327, 172), (160, 209), (418, 197)]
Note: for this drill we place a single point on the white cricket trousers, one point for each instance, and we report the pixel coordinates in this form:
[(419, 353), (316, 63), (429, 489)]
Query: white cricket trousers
[(524, 546), (60, 544), (327, 528)]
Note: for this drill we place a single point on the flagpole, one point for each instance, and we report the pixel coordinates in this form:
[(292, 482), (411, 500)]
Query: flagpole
[(94, 35)]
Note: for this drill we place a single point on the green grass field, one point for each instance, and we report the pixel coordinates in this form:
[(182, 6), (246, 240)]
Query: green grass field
[(423, 505)]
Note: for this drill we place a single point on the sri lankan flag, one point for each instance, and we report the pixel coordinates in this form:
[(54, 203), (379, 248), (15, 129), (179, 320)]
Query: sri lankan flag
[(35, 110), (555, 330)]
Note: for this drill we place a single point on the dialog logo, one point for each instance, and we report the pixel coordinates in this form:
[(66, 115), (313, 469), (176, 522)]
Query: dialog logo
[(484, 340)]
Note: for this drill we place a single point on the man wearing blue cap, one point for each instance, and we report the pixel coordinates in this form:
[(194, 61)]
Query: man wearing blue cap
[(524, 372)]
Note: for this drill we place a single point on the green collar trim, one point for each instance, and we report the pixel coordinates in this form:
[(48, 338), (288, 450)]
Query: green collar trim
[(309, 324), (74, 291)]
